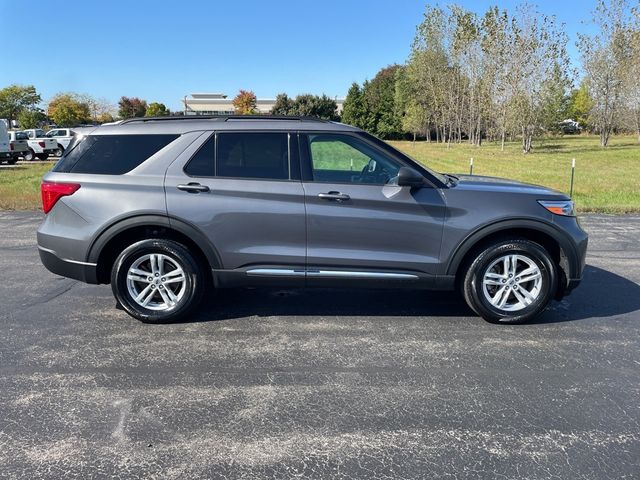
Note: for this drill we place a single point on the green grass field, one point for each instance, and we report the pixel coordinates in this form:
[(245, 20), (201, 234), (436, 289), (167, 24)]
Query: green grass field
[(607, 179), (20, 186)]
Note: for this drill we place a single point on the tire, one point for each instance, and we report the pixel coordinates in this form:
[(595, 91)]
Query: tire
[(12, 160), (29, 155), (496, 292), (187, 290), (58, 151), (42, 156)]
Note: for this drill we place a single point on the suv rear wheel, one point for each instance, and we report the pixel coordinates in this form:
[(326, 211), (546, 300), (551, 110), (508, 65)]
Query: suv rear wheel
[(510, 281), (157, 281)]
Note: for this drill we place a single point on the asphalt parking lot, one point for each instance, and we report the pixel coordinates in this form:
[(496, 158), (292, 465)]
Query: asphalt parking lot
[(319, 383)]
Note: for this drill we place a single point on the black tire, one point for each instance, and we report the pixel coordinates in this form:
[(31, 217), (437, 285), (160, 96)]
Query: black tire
[(42, 156), (12, 160), (29, 155), (194, 281), (58, 151), (474, 289)]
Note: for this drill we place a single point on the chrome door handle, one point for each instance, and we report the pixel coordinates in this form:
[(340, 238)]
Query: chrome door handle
[(193, 188), (337, 196)]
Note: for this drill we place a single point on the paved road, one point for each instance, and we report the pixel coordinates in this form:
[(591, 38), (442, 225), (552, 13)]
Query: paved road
[(324, 384)]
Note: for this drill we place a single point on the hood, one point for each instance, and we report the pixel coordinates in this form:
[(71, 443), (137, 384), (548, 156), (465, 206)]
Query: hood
[(494, 184)]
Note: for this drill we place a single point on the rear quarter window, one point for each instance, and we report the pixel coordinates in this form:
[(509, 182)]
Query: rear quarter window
[(111, 154)]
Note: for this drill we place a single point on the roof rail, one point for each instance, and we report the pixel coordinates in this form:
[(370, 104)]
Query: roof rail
[(223, 118)]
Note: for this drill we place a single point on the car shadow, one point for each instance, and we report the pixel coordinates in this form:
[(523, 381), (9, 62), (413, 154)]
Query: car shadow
[(589, 300), (601, 294)]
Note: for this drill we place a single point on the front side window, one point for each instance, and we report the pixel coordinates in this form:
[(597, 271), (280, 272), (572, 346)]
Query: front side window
[(253, 155), (337, 158)]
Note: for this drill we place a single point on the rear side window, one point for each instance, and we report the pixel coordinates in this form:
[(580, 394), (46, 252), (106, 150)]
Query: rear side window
[(111, 154), (253, 155), (201, 164)]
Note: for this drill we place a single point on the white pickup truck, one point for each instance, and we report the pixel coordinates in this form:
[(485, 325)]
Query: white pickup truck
[(39, 145), (19, 144), (63, 137)]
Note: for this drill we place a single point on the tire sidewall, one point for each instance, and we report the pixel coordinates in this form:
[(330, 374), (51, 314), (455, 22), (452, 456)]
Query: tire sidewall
[(475, 276), (179, 254)]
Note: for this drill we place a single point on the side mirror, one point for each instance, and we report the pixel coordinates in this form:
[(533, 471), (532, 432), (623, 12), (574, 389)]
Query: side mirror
[(408, 177)]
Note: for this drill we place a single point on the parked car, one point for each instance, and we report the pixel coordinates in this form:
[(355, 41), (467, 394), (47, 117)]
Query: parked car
[(570, 127), (19, 142), (39, 145), (63, 137), (5, 147), (167, 209)]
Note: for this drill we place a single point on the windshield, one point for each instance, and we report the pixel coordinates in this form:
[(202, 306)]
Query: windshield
[(40, 133), (21, 136)]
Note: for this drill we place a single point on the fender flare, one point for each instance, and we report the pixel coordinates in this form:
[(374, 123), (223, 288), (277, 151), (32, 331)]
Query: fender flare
[(471, 240), (190, 231)]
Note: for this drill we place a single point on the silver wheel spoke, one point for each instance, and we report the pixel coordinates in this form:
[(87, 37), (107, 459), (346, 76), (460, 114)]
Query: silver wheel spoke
[(165, 297), (143, 293), (528, 297), (148, 298), (138, 278), (529, 278), (171, 295), (498, 296), (154, 264)]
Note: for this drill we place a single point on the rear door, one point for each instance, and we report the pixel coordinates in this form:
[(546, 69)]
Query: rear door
[(360, 225), (243, 190)]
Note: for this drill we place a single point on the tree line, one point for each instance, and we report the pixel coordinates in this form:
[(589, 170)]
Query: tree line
[(505, 75), (22, 103)]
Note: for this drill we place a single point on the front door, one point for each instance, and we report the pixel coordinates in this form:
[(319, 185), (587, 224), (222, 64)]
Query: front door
[(360, 225), (248, 202)]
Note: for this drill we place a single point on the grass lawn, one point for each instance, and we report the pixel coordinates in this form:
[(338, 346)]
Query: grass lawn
[(607, 179), (20, 187)]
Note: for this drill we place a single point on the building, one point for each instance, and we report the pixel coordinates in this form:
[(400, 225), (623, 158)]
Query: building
[(220, 104)]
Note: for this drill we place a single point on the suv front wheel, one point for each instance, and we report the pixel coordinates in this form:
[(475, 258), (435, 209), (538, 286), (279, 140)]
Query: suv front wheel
[(157, 281), (510, 281)]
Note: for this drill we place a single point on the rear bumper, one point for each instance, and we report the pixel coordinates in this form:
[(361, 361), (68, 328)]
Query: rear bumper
[(83, 271)]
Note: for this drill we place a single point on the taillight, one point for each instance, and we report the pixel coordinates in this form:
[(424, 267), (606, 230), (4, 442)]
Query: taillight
[(52, 192), (41, 144), (11, 147)]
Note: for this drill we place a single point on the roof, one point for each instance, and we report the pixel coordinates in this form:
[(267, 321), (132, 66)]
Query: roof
[(192, 123)]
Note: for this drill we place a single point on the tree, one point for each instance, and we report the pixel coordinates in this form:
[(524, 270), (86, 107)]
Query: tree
[(283, 105), (379, 100), (245, 103), (555, 100), (130, 107), (31, 118), (308, 105), (606, 56), (105, 117), (99, 107), (68, 109), (580, 105), (353, 110), (16, 98), (156, 109)]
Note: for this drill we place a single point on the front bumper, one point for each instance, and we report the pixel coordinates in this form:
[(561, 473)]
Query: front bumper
[(83, 271)]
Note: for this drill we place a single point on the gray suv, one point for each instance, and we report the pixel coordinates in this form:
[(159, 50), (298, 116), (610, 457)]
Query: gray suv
[(167, 209)]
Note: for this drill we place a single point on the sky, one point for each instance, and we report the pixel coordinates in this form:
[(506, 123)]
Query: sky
[(162, 50)]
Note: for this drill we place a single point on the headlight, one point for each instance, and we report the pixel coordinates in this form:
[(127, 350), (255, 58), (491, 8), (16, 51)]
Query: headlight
[(559, 207)]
